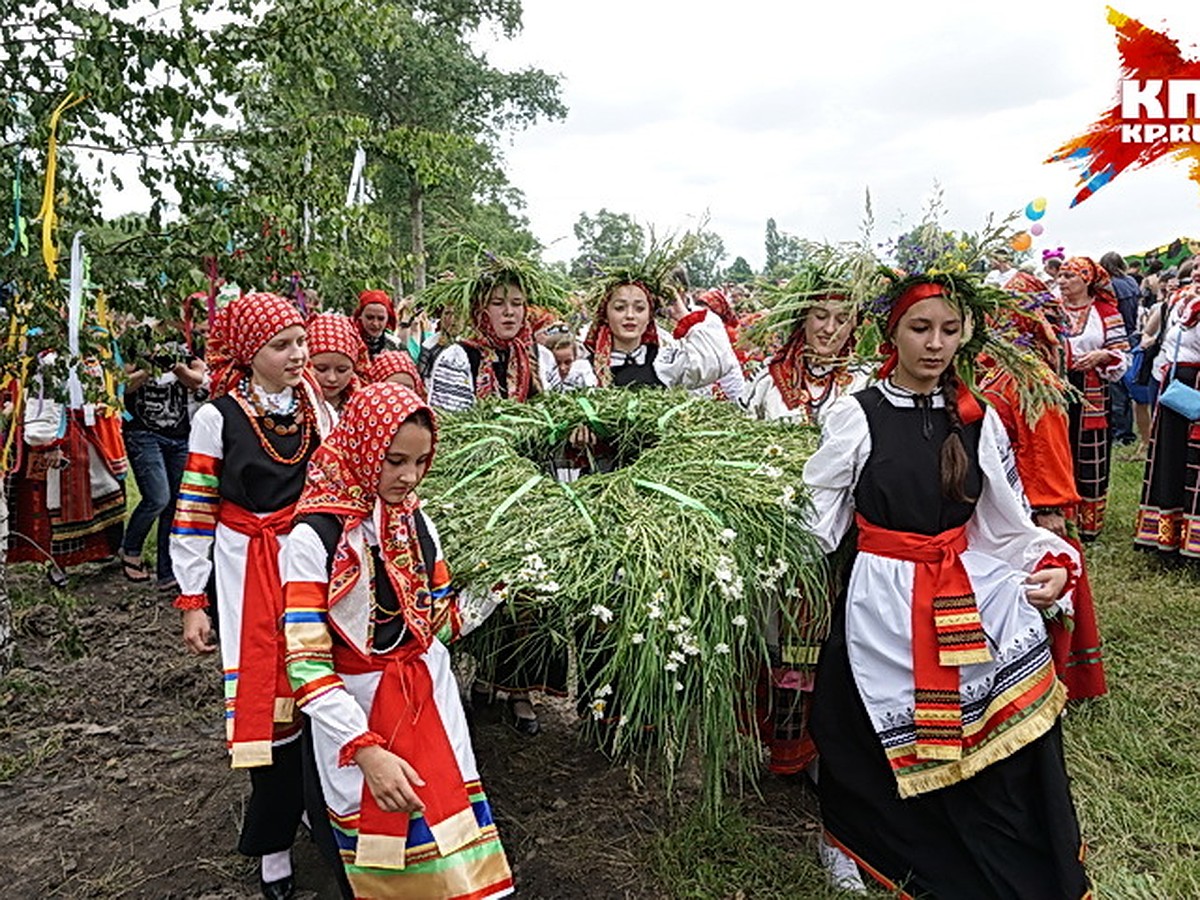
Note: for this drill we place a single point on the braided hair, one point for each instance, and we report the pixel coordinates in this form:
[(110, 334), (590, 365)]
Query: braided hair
[(954, 463)]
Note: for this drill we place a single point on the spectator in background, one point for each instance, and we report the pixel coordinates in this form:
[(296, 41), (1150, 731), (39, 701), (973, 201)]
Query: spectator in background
[(1052, 261), (1127, 292), (164, 378), (1097, 356), (1001, 269), (1169, 513)]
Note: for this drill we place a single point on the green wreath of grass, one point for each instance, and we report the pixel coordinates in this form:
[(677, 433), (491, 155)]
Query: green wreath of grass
[(669, 566)]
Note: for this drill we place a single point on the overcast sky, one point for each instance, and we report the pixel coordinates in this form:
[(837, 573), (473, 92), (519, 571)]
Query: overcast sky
[(792, 110)]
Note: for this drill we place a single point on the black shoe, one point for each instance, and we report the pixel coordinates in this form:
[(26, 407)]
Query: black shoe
[(521, 724), (283, 889)]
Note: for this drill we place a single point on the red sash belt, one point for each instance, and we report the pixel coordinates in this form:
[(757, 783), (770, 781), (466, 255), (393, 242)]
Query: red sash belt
[(405, 714), (947, 631), (263, 694)]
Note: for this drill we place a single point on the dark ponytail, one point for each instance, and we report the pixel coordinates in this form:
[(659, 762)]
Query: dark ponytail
[(954, 463)]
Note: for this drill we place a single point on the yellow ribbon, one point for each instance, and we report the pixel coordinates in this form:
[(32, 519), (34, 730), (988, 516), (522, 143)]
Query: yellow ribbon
[(106, 350), (47, 214), (16, 423)]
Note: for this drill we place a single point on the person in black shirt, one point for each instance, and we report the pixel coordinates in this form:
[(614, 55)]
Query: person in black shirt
[(164, 377)]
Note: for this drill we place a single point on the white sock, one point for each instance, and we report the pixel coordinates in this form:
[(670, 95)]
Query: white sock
[(276, 866)]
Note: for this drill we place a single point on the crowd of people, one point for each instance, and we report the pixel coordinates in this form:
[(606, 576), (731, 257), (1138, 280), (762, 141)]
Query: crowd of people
[(279, 454)]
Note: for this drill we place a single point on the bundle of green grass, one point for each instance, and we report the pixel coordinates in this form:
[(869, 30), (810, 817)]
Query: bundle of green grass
[(659, 575)]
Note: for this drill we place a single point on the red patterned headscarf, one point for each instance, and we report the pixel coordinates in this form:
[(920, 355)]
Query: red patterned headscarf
[(522, 379), (240, 330), (343, 480), (366, 298), (1098, 280), (599, 337), (335, 333), (397, 362), (716, 300)]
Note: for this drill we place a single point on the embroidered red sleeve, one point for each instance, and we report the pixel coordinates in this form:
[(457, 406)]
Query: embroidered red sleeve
[(684, 325), (191, 601), (366, 739), (1061, 561)]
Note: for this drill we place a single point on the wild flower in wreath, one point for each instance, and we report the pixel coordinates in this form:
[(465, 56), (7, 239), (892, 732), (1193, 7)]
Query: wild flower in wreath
[(948, 270), (657, 575)]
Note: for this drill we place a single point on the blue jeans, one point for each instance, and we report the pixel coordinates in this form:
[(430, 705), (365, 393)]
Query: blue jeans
[(157, 463)]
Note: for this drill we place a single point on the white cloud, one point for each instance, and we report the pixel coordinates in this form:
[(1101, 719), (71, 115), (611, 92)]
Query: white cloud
[(765, 109)]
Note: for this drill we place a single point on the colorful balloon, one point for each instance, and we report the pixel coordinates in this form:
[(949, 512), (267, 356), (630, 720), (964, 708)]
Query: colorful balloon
[(1021, 241), (1033, 214), (1039, 204), (1036, 230)]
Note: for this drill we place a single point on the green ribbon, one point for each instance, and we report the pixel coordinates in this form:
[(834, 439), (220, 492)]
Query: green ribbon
[(682, 499), (512, 498), (583, 512), (486, 467)]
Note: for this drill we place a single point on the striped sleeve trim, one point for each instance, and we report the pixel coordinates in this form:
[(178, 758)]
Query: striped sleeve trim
[(196, 509)]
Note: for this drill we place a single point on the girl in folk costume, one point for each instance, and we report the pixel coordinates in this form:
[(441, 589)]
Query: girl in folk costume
[(798, 385), (498, 357), (376, 319), (69, 494), (812, 367), (397, 367), (936, 707), (337, 355), (1169, 513), (369, 610), (247, 455), (1097, 355), (1041, 450), (626, 348)]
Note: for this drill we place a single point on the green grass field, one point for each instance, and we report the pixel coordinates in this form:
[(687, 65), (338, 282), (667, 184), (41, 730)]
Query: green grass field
[(1134, 755)]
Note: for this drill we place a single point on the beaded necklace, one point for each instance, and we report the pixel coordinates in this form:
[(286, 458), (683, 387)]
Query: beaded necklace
[(254, 410), (811, 382)]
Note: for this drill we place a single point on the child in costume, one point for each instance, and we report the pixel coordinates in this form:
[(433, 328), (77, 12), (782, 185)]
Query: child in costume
[(338, 357), (247, 457), (369, 610)]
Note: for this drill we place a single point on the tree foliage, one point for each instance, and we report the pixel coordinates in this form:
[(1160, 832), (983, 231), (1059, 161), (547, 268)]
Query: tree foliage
[(739, 272), (606, 240), (784, 252), (704, 264)]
